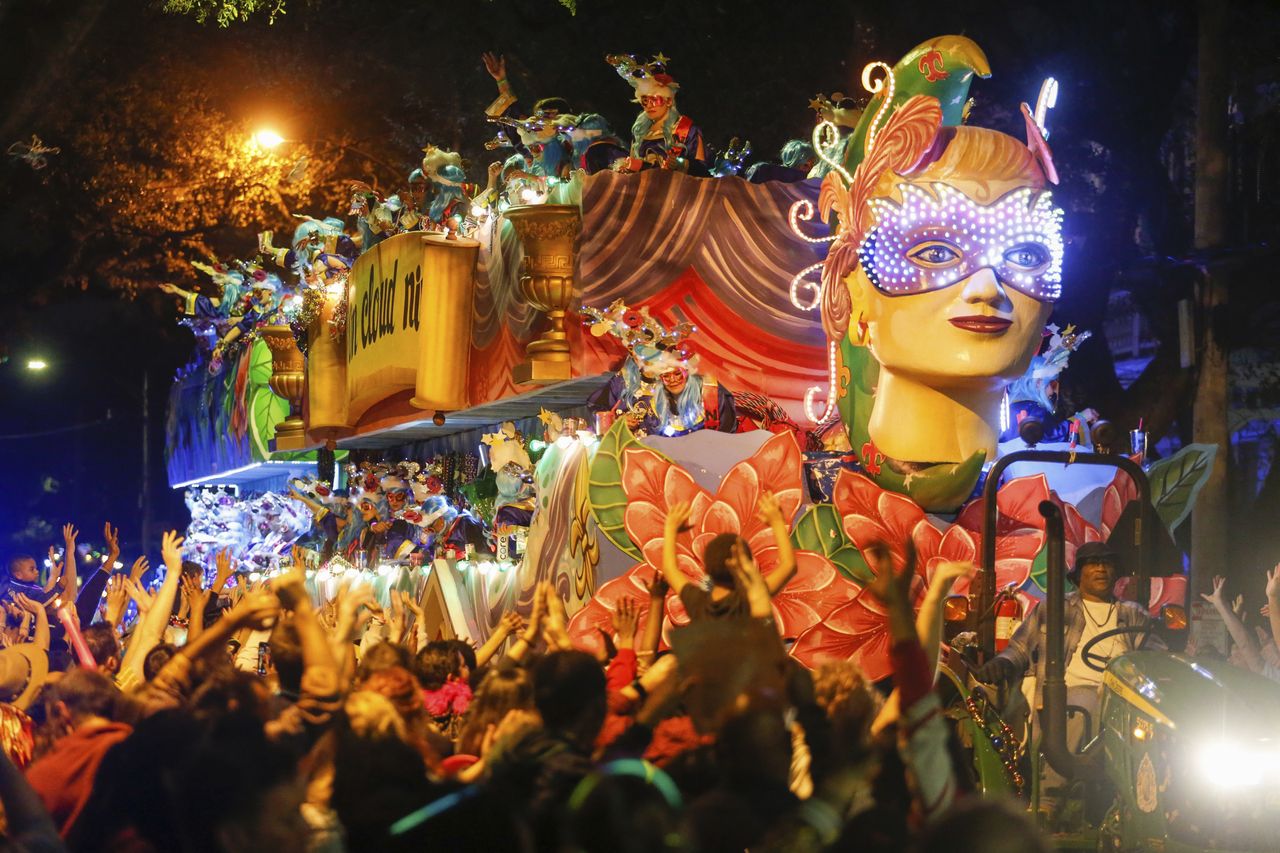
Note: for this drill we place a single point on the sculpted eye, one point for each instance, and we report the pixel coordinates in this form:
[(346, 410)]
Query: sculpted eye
[(935, 255), (1027, 255)]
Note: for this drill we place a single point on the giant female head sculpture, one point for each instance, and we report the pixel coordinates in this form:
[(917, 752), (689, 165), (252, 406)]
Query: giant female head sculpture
[(946, 267)]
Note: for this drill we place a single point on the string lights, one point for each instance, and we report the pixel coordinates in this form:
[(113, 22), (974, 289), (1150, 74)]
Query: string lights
[(831, 389), (875, 87)]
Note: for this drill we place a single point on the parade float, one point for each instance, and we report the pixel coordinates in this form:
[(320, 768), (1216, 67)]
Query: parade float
[(532, 373)]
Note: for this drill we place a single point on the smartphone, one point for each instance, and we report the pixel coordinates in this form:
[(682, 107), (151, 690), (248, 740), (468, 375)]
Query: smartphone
[(264, 658)]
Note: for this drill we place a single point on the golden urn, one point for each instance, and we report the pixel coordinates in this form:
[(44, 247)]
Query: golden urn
[(549, 234), (288, 380)]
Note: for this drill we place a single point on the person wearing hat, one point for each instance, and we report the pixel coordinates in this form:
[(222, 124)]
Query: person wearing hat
[(540, 133), (23, 669), (1089, 611), (661, 137)]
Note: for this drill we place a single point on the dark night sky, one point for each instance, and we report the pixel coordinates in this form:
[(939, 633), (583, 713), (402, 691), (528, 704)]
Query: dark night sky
[(395, 75)]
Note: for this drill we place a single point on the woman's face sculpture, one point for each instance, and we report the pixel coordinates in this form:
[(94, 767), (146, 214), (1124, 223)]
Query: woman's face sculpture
[(955, 281), (368, 510)]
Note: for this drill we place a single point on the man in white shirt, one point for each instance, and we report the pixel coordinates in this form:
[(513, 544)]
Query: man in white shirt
[(1088, 612)]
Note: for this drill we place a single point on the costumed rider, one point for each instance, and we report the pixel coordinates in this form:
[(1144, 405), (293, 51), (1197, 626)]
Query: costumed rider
[(322, 253), (660, 137), (329, 511), (541, 136), (796, 159), (1035, 395), (261, 295), (447, 530), (658, 389), (513, 472), (378, 218), (447, 199), (209, 317), (595, 146), (1090, 611)]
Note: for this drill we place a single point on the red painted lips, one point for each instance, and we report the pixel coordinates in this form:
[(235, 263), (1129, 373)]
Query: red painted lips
[(982, 325)]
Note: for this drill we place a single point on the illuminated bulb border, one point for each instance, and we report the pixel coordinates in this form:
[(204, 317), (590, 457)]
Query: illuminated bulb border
[(826, 139), (875, 87), (831, 389)]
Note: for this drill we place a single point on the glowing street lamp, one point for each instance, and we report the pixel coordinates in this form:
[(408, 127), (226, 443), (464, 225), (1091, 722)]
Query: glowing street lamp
[(267, 138), (36, 364)]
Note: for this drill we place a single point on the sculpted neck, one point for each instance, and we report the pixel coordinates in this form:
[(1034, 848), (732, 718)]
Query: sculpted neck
[(914, 422)]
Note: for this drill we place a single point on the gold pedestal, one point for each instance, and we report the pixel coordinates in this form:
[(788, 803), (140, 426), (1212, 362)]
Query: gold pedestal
[(288, 380), (549, 233)]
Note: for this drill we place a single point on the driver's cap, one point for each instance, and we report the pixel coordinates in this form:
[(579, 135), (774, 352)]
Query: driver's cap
[(1093, 552)]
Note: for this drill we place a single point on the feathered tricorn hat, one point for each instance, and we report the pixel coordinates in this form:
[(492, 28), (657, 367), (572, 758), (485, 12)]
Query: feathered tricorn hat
[(644, 336), (647, 78)]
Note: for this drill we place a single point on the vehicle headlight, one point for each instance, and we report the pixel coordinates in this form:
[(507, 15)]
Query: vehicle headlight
[(1231, 764)]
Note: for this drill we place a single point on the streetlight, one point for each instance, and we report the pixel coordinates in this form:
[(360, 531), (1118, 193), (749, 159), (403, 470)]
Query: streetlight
[(267, 138), (36, 364)]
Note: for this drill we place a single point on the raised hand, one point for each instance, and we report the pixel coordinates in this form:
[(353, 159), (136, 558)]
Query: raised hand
[(509, 624), (55, 564), (69, 534), (1273, 587), (117, 599), (625, 620), (950, 571), (658, 587), (141, 596), (223, 568), (1215, 598), (140, 567), (677, 519), (171, 550), (27, 604), (111, 535), (769, 511), (890, 587), (495, 64), (192, 590), (291, 588), (257, 611)]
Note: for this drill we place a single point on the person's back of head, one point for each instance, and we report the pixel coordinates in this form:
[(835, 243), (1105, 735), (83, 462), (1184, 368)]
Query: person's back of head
[(382, 656), (716, 557), (286, 656), (80, 696), (842, 691), (436, 664), (226, 691), (466, 656), (569, 693), (103, 645), (239, 791), (977, 825), (156, 659), (754, 747), (502, 691), (628, 806)]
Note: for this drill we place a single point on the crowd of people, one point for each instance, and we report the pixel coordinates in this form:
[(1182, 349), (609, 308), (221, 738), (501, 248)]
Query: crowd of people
[(228, 715)]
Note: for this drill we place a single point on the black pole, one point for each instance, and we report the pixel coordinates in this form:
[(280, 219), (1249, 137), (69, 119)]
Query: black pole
[(145, 498)]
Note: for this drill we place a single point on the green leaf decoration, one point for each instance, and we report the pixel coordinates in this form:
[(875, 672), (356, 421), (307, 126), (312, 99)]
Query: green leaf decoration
[(265, 411), (1040, 569), (604, 487), (942, 68), (259, 363), (1177, 481), (819, 530)]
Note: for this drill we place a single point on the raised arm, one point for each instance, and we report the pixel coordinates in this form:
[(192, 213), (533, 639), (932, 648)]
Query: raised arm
[(151, 626), (1239, 634), (533, 630), (652, 636), (677, 518), (40, 614), (771, 514), (749, 580), (55, 571), (509, 624), (928, 627), (1273, 604), (70, 579)]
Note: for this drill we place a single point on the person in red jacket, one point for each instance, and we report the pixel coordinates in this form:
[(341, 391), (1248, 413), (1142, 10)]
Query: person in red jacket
[(82, 702)]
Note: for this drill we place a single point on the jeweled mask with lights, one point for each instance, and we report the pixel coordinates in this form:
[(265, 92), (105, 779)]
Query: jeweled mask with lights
[(939, 236)]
